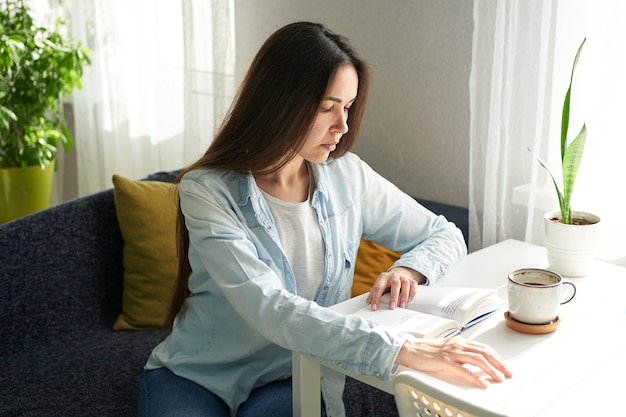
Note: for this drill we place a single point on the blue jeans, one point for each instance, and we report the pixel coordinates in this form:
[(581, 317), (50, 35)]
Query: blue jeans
[(163, 394)]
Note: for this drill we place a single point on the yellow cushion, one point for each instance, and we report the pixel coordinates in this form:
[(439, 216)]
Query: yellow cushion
[(371, 260), (146, 212)]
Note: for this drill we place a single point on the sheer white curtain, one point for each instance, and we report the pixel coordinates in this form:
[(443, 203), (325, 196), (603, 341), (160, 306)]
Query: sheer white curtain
[(508, 85), (161, 81), (522, 57)]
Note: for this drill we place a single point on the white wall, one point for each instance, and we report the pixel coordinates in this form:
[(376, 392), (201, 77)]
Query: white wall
[(416, 129)]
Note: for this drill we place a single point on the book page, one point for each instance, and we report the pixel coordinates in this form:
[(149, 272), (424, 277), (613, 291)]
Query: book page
[(422, 325), (457, 303)]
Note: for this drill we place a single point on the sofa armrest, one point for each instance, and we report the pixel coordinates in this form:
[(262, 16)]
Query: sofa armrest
[(60, 269)]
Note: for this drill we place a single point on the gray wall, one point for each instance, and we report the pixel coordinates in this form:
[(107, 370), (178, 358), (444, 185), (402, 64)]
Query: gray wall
[(416, 129)]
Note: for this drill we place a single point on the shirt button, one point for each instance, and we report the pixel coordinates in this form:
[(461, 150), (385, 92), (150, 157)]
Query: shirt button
[(339, 365), (377, 374)]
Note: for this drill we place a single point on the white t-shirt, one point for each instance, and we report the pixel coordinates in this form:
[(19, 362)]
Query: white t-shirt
[(301, 238)]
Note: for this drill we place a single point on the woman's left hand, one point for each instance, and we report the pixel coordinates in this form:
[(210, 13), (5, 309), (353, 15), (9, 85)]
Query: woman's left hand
[(401, 284)]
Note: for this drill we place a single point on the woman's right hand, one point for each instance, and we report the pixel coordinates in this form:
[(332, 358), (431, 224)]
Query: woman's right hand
[(446, 357)]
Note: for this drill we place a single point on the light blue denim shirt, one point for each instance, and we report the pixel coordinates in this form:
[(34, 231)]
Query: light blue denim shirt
[(244, 316)]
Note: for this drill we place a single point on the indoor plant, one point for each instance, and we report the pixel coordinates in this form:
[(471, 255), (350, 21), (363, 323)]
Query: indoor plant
[(570, 235), (39, 66)]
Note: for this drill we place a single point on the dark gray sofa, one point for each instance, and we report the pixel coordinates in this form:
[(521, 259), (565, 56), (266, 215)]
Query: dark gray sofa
[(60, 293)]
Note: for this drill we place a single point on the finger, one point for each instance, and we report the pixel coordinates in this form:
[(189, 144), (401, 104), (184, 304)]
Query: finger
[(494, 360), (409, 288), (481, 362), (485, 359), (394, 290), (414, 289), (460, 374), (376, 292)]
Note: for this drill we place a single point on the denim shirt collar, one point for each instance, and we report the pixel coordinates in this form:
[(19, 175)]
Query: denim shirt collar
[(249, 191)]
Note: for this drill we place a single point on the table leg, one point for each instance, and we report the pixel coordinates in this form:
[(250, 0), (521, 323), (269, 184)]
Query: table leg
[(306, 386)]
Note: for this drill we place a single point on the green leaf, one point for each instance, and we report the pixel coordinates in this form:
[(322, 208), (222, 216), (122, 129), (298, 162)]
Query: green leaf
[(556, 184), (566, 103), (6, 113), (571, 162)]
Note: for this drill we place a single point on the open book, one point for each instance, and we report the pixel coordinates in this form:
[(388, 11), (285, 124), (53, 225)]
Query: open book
[(437, 311)]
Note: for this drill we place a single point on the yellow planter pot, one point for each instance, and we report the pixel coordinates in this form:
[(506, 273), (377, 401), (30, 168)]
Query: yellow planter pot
[(24, 191)]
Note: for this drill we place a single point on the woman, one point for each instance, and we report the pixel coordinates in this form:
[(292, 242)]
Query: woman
[(270, 221)]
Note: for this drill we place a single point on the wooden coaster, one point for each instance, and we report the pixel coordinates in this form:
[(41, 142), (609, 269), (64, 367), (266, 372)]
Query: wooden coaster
[(531, 328)]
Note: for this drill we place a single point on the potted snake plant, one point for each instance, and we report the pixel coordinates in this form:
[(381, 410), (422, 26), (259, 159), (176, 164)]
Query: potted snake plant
[(39, 67), (570, 236)]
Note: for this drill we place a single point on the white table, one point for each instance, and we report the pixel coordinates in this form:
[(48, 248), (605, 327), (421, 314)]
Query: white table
[(577, 370)]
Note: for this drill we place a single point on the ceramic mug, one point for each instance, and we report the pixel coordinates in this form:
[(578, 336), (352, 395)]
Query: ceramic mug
[(536, 294)]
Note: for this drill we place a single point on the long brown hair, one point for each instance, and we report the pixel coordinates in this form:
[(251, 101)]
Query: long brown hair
[(273, 112)]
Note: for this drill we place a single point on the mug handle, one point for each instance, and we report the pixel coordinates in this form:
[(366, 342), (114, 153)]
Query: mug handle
[(567, 298)]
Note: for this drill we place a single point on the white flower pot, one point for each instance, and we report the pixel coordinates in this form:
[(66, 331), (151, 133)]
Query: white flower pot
[(570, 247)]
